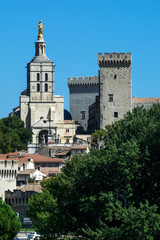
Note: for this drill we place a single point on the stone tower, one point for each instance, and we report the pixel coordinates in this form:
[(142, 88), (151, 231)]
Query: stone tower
[(40, 109), (40, 84), (115, 86), (82, 93)]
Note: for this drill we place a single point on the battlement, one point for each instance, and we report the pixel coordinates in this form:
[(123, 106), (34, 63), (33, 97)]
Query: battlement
[(114, 60), (83, 81)]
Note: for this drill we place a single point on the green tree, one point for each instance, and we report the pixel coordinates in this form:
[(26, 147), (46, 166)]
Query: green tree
[(13, 135), (142, 223), (10, 224), (111, 193)]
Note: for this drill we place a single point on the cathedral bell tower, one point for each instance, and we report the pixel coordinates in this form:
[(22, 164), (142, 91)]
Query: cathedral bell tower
[(40, 109), (38, 100), (40, 72)]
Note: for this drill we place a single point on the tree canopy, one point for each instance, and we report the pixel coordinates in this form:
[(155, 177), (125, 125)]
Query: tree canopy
[(10, 224), (13, 135), (110, 193)]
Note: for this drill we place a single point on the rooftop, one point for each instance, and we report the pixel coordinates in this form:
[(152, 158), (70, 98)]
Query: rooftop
[(49, 170), (31, 187), (145, 100), (26, 171), (79, 147), (26, 157)]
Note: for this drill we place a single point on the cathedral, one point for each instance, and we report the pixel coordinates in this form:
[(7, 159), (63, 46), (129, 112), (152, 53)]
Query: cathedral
[(40, 109)]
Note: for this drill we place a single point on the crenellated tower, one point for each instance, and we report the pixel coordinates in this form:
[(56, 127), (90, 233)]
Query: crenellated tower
[(115, 86), (82, 93)]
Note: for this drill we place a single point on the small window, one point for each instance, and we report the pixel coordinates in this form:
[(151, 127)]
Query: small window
[(46, 76), (38, 76), (67, 130), (116, 114), (38, 87), (83, 113), (110, 97), (46, 87), (115, 76)]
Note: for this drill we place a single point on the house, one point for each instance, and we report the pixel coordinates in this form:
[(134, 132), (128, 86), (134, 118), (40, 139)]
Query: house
[(79, 149), (27, 175)]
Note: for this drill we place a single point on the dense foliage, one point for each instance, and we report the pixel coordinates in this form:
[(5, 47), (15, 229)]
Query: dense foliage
[(10, 224), (13, 135), (111, 193)]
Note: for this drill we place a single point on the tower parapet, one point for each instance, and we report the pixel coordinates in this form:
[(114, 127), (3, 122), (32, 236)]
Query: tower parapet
[(83, 81), (114, 60)]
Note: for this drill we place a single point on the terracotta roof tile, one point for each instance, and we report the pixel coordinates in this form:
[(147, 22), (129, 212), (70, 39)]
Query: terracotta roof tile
[(78, 147), (62, 153), (26, 171), (145, 100), (36, 158), (31, 187), (49, 170)]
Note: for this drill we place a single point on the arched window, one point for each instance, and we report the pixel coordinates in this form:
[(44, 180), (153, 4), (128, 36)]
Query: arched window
[(46, 76), (38, 77), (46, 87), (38, 87)]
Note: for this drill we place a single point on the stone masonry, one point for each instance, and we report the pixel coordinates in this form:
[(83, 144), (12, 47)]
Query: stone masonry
[(82, 94), (115, 86)]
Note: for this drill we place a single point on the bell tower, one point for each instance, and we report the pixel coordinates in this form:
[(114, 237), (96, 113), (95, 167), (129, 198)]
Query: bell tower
[(40, 109), (40, 72), (38, 100)]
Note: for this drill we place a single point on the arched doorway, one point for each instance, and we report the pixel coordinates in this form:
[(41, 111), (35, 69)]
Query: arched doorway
[(43, 137)]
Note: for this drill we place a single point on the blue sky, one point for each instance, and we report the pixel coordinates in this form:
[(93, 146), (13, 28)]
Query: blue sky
[(75, 31)]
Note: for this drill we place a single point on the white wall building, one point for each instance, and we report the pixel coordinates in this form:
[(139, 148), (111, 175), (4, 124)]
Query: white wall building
[(39, 108)]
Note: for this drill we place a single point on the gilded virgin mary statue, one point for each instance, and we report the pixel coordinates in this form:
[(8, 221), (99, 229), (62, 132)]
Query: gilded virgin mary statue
[(40, 30)]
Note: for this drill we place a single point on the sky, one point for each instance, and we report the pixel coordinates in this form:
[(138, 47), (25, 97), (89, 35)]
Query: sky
[(75, 31)]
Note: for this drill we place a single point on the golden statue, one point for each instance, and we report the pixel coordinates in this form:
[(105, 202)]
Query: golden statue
[(40, 30)]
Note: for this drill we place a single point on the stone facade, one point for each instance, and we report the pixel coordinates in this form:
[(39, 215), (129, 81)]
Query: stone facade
[(115, 86), (8, 174), (40, 109), (82, 94), (18, 199), (106, 98)]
